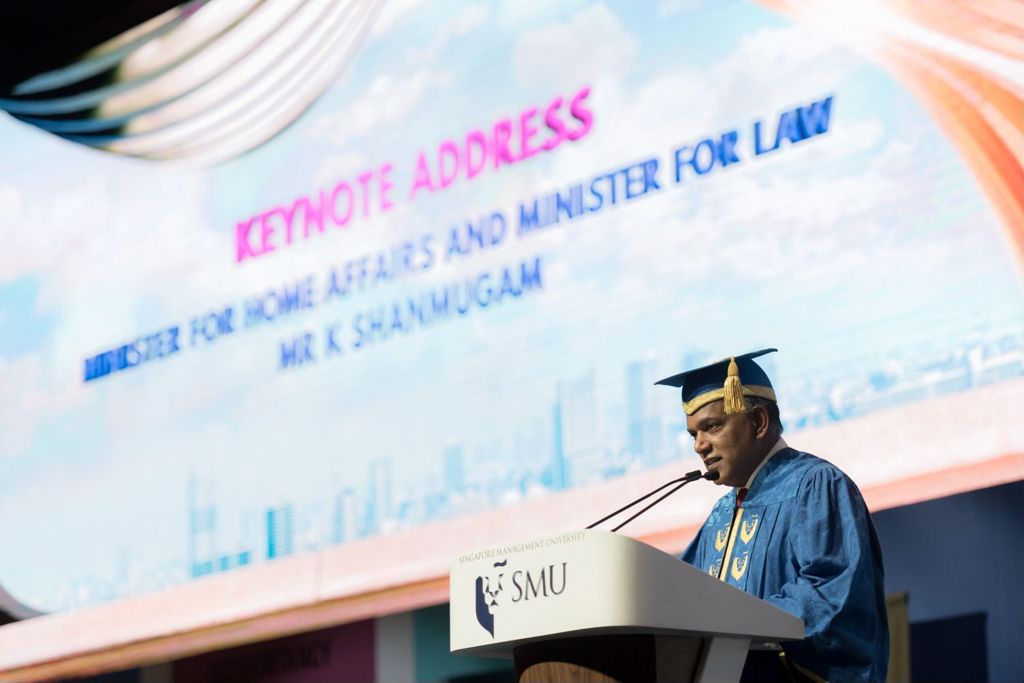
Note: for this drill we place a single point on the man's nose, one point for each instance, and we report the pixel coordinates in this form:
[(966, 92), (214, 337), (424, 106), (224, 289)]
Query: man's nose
[(701, 444)]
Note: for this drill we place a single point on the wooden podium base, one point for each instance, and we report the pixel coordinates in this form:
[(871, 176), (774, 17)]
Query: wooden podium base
[(641, 658)]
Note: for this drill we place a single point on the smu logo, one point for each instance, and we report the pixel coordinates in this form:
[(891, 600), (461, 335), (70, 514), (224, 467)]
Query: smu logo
[(542, 582), (487, 590)]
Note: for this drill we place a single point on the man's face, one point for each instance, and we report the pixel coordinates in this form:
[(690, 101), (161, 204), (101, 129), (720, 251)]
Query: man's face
[(728, 444)]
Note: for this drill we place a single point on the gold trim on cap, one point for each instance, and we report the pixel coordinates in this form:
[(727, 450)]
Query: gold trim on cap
[(692, 406)]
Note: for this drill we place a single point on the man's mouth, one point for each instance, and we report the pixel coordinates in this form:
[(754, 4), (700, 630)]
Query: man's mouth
[(711, 461)]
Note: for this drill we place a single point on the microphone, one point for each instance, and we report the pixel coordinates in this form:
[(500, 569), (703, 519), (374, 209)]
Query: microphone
[(682, 481)]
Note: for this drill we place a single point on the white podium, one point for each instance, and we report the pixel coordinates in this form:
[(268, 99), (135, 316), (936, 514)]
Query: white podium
[(598, 606)]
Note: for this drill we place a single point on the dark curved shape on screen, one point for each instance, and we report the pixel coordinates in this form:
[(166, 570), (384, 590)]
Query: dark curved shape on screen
[(46, 35), (204, 81), (12, 610)]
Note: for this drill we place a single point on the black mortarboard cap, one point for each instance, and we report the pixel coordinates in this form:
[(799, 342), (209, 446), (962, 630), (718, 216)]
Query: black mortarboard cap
[(729, 379)]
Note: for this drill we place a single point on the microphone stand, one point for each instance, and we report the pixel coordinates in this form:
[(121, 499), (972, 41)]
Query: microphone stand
[(681, 481)]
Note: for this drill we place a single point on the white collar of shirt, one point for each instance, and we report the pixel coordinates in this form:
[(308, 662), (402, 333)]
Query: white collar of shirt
[(779, 445)]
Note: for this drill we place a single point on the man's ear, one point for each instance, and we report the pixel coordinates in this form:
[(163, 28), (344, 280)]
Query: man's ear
[(762, 421)]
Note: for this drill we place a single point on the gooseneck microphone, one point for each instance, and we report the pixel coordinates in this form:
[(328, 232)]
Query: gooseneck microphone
[(682, 481)]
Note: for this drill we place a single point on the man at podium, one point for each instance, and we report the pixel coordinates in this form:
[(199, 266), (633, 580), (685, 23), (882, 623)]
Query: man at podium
[(793, 530)]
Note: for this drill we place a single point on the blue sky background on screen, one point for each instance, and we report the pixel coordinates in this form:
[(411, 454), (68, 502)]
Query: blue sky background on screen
[(868, 256)]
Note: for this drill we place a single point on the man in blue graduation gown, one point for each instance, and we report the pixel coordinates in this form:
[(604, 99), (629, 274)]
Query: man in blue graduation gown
[(793, 529)]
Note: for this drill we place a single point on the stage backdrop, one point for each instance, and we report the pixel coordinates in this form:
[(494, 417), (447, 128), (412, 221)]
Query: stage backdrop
[(450, 284)]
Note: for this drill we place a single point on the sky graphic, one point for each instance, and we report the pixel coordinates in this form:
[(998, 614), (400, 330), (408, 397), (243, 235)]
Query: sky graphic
[(868, 248)]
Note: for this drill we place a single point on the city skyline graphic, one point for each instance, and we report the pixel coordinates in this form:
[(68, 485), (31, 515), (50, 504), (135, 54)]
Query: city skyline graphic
[(651, 432)]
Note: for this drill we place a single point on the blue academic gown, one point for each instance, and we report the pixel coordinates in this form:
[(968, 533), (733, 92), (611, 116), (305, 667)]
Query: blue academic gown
[(803, 541)]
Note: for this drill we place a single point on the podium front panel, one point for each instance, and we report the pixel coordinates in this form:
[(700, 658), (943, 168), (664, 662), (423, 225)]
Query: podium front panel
[(590, 582)]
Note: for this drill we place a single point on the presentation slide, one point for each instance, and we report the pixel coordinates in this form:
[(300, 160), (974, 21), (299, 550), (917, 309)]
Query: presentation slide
[(449, 283)]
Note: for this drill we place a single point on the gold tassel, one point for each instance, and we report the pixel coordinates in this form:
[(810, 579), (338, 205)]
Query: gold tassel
[(734, 390)]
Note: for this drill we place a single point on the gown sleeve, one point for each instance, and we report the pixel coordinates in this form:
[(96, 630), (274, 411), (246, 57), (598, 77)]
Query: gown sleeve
[(835, 583), (692, 555), (695, 553)]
